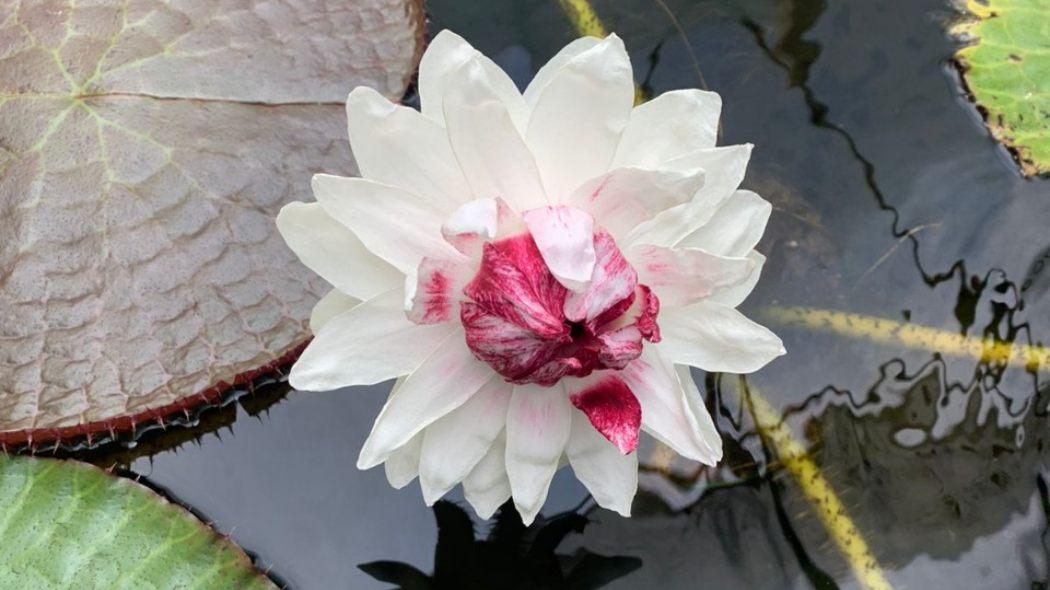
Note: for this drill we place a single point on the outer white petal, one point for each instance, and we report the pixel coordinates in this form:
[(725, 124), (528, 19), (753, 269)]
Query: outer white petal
[(331, 305), (680, 276), (442, 383), (624, 197), (539, 422), (735, 228), (736, 295), (546, 73), (565, 239), (398, 226), (703, 424), (368, 344), (487, 486), (610, 476), (724, 169), (448, 52), (668, 126), (579, 115), (453, 445), (399, 146), (487, 145), (331, 250), (666, 414), (714, 337), (402, 466)]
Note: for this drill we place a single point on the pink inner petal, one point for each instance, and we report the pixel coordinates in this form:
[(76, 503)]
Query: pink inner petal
[(565, 237), (439, 284), (646, 319), (613, 281), (620, 347), (514, 283), (613, 411)]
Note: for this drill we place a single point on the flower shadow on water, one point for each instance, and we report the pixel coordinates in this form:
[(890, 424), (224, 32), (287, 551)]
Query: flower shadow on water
[(510, 556)]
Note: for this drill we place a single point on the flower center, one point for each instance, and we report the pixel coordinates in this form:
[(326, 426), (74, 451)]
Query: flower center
[(531, 329)]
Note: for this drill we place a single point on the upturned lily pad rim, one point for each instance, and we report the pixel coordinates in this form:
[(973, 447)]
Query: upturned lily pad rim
[(90, 435)]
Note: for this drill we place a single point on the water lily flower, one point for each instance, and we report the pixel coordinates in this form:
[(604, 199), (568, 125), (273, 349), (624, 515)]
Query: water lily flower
[(538, 270)]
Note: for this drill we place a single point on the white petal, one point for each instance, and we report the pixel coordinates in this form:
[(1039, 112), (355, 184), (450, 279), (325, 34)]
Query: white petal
[(703, 424), (610, 476), (479, 217), (736, 295), (565, 238), (539, 422), (487, 145), (680, 276), (402, 466), (579, 115), (398, 146), (442, 383), (448, 52), (331, 305), (480, 221), (724, 169), (735, 228), (331, 250), (453, 445), (398, 226), (546, 73), (668, 126), (622, 198), (665, 412), (713, 337), (487, 486), (368, 344)]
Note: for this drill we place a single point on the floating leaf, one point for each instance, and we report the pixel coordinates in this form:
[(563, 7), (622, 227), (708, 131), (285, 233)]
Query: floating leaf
[(68, 525), (145, 149), (1007, 68)]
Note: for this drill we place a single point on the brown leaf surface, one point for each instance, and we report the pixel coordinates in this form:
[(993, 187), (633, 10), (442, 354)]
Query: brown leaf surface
[(145, 148)]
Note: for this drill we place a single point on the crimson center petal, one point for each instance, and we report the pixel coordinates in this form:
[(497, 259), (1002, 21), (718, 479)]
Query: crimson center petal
[(528, 327), (613, 410)]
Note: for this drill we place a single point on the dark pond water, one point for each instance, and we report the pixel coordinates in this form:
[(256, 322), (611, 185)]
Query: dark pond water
[(891, 201)]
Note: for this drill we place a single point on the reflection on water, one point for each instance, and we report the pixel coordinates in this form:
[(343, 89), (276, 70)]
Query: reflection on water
[(510, 551), (891, 202)]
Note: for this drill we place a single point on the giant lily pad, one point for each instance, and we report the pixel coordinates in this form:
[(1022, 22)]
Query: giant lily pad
[(145, 148), (69, 525), (1007, 68)]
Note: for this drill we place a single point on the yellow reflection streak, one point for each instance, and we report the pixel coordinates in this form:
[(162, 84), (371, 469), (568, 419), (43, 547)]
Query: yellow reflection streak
[(586, 23), (885, 331), (818, 492), (777, 434)]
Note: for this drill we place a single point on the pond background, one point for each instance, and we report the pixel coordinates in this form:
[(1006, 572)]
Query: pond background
[(890, 200)]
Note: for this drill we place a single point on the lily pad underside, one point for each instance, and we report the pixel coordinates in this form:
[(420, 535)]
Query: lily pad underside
[(69, 525), (145, 149), (1006, 67)]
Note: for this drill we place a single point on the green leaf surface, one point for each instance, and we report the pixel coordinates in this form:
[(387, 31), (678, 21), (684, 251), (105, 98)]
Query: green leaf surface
[(1007, 68), (69, 525)]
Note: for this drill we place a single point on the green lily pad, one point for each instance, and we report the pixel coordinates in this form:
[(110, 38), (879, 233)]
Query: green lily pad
[(69, 525), (1007, 68)]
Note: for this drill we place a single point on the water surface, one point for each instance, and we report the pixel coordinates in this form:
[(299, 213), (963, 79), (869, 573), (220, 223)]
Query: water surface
[(890, 200)]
